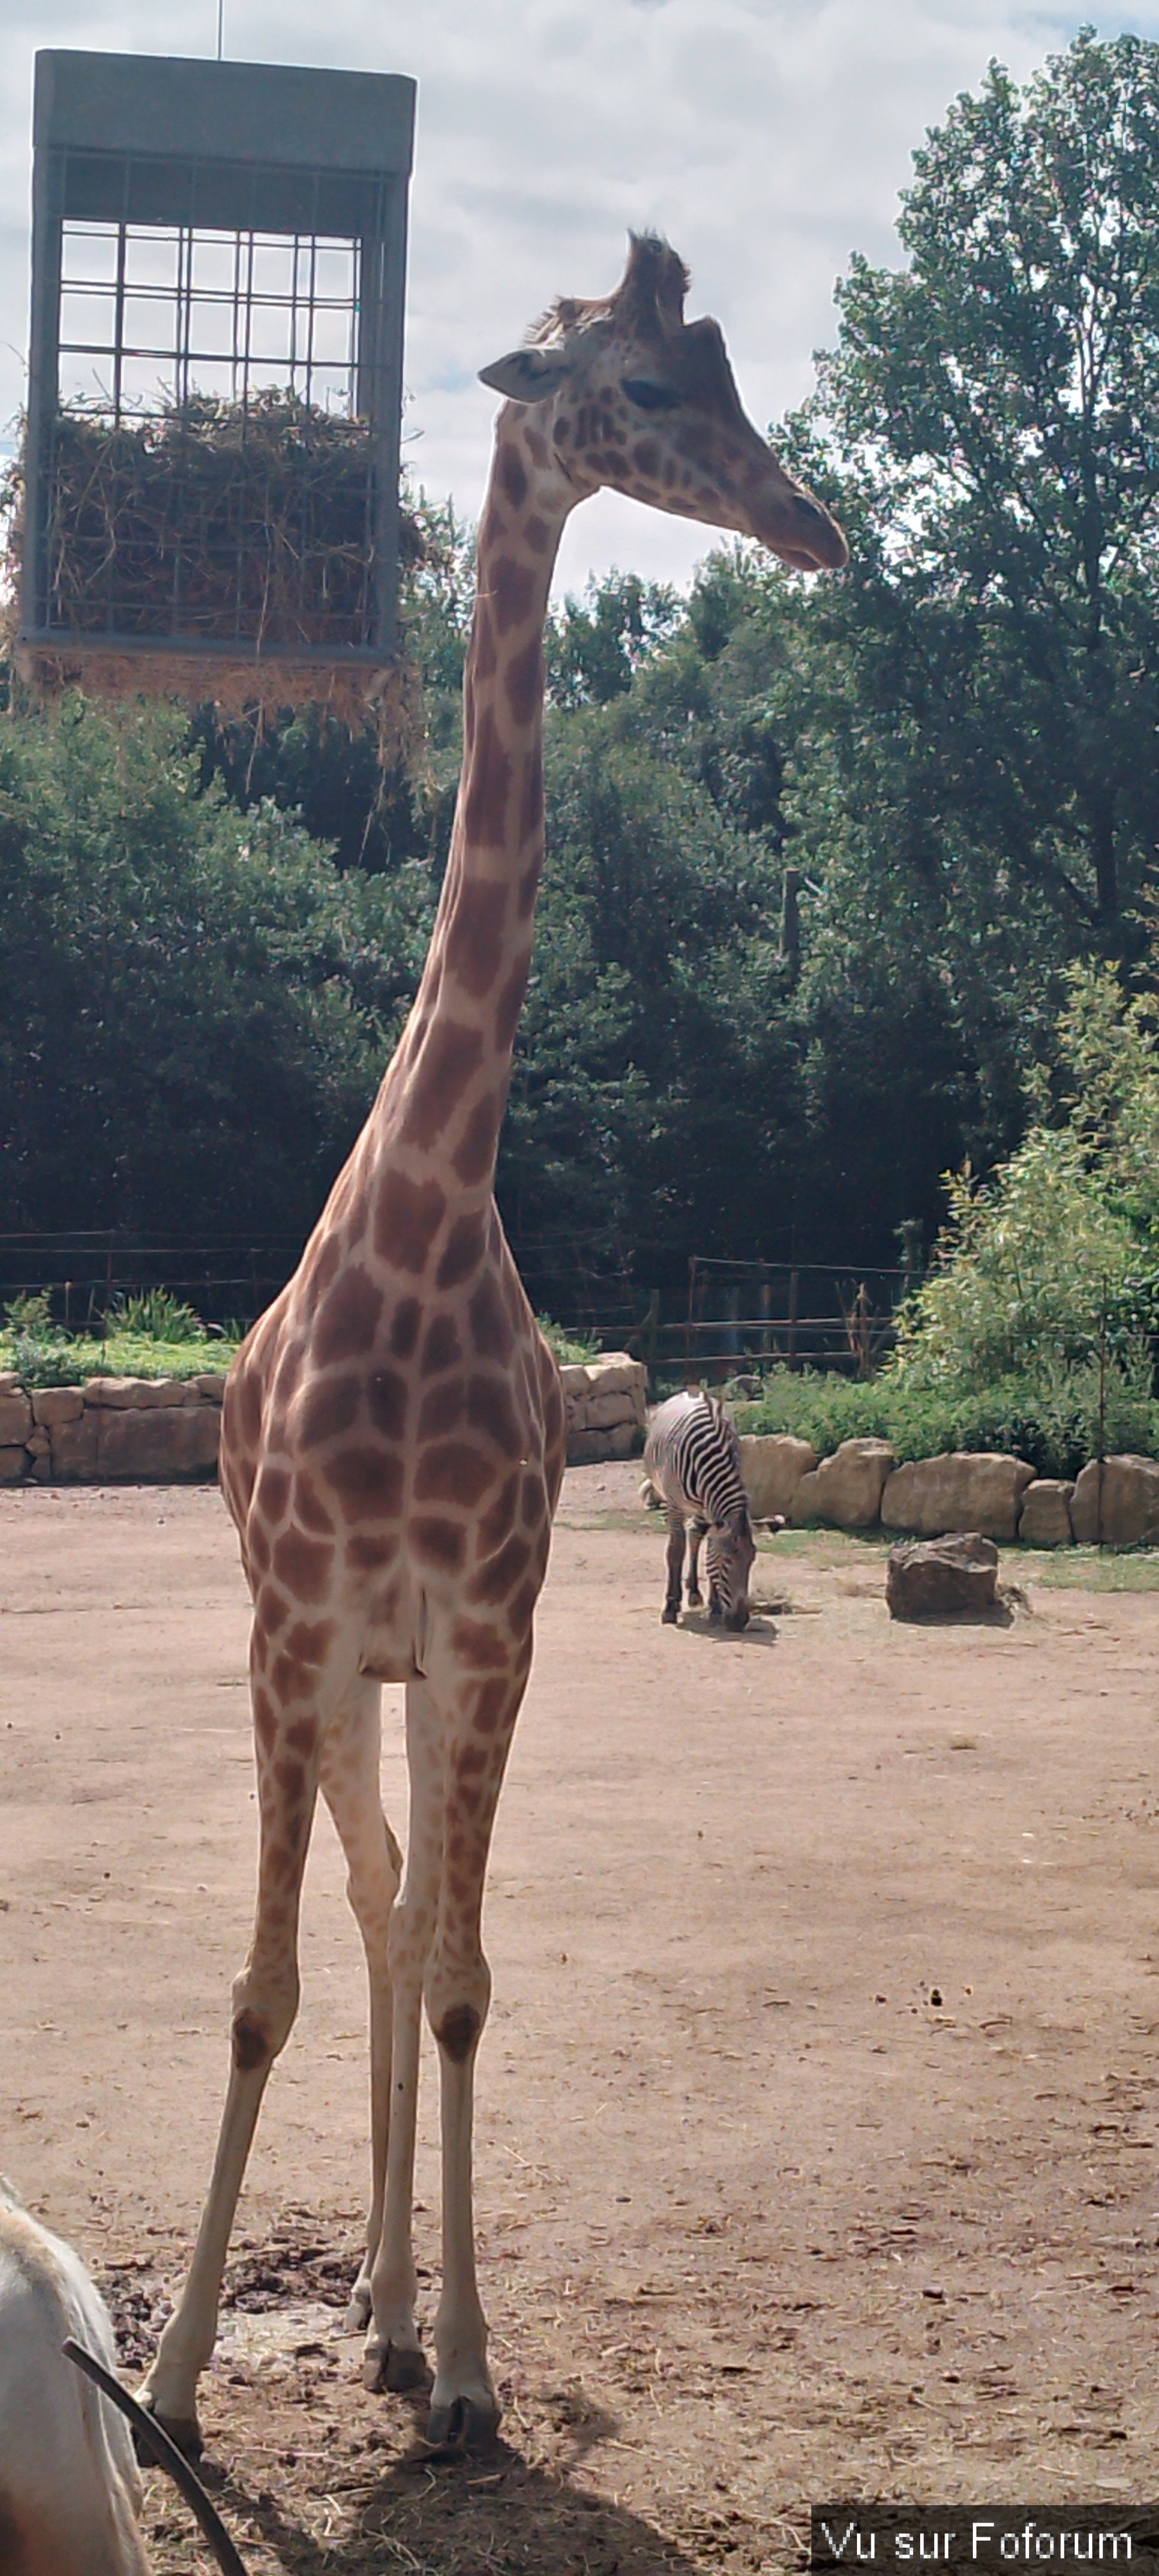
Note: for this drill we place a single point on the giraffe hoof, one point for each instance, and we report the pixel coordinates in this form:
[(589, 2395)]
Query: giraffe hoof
[(395, 2367), (463, 2424), (184, 2432)]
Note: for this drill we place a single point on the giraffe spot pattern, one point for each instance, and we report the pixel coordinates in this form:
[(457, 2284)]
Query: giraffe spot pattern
[(404, 1329), (474, 945), (368, 1482), (462, 1252), (490, 1408), (452, 1472), (348, 1320), (514, 594), (449, 1058), (442, 1543), (407, 1219), (443, 1409), (510, 1004), (485, 803), (303, 1565), (329, 1407), (524, 681), (441, 1348), (491, 1327), (309, 1509), (387, 1398), (475, 1152), (513, 477), (494, 1580)]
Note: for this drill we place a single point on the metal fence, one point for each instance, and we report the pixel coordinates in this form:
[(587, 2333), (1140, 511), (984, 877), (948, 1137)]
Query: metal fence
[(731, 1317)]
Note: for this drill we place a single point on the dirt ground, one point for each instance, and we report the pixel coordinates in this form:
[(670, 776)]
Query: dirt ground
[(818, 2103)]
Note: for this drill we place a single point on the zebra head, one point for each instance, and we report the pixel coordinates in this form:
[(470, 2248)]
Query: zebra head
[(730, 1554)]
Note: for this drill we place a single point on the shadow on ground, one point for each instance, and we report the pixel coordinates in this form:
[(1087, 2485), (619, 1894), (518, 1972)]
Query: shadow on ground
[(492, 2513)]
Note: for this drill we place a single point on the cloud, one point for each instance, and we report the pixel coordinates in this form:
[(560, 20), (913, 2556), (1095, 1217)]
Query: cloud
[(768, 138)]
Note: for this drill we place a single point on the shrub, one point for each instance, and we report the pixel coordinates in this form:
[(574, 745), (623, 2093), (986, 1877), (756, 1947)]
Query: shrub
[(1050, 1418)]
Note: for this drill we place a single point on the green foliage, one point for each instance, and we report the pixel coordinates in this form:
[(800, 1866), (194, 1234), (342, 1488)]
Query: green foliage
[(154, 1315), (1021, 1272), (1050, 1417), (568, 1347), (194, 1006)]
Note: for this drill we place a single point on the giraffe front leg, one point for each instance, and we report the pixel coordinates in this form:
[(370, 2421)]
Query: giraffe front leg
[(675, 1560), (394, 2357), (457, 1990), (265, 2001)]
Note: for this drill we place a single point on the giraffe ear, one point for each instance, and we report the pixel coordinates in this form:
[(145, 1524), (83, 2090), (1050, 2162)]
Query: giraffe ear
[(527, 375)]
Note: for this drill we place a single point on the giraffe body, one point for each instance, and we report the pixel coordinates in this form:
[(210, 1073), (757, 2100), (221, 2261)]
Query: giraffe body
[(393, 1430)]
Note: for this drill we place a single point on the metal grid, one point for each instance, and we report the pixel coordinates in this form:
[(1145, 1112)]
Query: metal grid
[(153, 314), (211, 462)]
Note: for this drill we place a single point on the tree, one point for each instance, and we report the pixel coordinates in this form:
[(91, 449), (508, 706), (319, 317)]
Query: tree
[(989, 414)]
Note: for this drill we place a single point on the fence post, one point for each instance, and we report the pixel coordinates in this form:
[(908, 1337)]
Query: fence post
[(691, 1310), (794, 1283), (1102, 1405)]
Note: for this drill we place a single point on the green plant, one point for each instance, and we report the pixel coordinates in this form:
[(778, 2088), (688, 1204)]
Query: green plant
[(154, 1315), (29, 1316), (569, 1348)]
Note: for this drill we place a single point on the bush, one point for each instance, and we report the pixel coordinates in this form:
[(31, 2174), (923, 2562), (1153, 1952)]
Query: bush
[(1050, 1418)]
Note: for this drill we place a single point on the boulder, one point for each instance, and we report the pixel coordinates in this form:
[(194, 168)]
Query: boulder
[(121, 1393), (15, 1419), (845, 1490), (11, 1382), (1045, 1518), (208, 1384), (942, 1578), (605, 1411), (52, 1404), (772, 1464), (963, 1490), (573, 1378), (14, 1463), (1128, 1515), (616, 1373), (39, 1443), (158, 1444)]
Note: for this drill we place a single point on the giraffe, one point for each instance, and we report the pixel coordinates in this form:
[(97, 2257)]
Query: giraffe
[(393, 1429)]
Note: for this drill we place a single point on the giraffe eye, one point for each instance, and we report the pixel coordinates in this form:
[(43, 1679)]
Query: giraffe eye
[(650, 396)]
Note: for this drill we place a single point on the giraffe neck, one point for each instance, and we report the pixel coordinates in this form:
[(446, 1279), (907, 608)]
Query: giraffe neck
[(446, 1091)]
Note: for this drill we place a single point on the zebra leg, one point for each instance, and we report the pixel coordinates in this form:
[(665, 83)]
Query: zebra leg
[(671, 1610), (696, 1538)]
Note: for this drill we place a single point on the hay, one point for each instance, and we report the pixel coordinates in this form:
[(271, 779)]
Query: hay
[(220, 524)]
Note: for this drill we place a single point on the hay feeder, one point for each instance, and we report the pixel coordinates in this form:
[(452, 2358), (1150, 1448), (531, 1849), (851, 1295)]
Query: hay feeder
[(211, 465)]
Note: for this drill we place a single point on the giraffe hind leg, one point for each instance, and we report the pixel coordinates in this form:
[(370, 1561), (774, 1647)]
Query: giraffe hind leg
[(393, 2357), (350, 1786), (479, 1716)]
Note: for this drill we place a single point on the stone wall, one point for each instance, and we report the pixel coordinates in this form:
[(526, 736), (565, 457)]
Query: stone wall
[(111, 1430), (135, 1430), (861, 1486)]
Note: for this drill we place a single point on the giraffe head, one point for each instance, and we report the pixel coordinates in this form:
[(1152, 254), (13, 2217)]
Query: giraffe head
[(625, 393)]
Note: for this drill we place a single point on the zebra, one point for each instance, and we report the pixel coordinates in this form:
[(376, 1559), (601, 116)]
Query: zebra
[(692, 1464)]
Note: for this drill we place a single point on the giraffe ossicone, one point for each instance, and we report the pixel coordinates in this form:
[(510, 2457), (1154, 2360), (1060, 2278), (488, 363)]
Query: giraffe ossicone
[(393, 1430)]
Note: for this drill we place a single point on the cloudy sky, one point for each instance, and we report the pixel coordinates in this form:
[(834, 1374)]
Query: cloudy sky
[(767, 138)]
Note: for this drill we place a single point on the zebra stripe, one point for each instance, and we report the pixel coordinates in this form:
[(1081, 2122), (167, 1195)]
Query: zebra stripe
[(692, 1459), (692, 1463)]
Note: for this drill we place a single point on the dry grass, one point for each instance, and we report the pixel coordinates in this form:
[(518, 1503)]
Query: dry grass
[(224, 524)]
